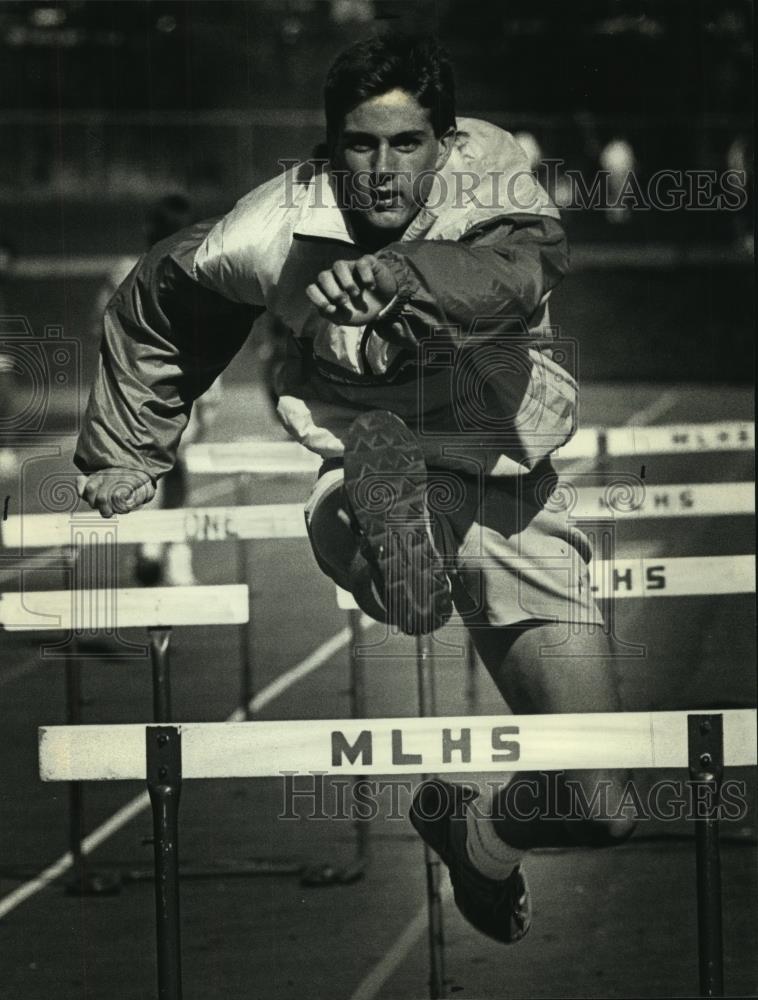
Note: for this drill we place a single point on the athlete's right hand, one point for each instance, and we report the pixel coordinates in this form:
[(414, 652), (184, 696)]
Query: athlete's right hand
[(116, 491)]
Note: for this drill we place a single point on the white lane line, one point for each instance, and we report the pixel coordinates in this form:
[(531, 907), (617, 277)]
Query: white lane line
[(370, 985), (59, 867), (321, 655), (655, 409)]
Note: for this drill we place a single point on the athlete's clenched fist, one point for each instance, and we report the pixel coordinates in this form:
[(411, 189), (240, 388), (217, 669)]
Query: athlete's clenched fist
[(353, 292), (116, 491)]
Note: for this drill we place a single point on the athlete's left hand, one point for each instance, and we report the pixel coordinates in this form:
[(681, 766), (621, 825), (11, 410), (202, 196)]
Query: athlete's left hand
[(353, 292)]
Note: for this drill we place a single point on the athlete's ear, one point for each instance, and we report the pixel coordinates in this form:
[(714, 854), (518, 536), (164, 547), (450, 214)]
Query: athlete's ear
[(445, 147)]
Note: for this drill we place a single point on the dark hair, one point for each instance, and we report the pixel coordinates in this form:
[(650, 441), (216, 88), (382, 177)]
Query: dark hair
[(167, 216), (416, 64)]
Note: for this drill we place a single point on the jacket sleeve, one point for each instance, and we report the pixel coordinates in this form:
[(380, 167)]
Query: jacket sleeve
[(165, 340), (500, 270)]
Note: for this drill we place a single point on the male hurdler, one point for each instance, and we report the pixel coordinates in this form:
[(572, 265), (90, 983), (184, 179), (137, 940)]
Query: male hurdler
[(412, 271)]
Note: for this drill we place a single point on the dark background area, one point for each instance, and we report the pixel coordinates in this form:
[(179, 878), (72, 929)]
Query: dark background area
[(105, 106)]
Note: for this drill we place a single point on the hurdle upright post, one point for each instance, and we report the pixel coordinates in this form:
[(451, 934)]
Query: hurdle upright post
[(73, 681), (427, 705), (163, 748), (358, 711), (160, 643), (472, 673), (83, 881), (247, 684), (706, 765)]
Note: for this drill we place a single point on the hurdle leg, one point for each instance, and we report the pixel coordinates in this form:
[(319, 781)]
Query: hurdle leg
[(325, 873), (706, 765), (73, 670), (160, 644), (164, 781), (247, 681), (427, 706), (358, 711), (82, 882), (472, 674)]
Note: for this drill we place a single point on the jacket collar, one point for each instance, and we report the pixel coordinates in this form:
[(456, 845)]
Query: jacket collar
[(321, 216)]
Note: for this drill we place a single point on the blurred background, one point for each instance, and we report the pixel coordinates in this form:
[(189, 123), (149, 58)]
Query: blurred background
[(108, 106)]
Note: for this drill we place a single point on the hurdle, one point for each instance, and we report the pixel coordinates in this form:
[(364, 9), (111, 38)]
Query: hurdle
[(703, 743), (240, 524), (87, 612), (85, 530)]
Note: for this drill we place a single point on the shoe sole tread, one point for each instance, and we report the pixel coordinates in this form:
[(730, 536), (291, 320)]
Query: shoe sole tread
[(396, 542)]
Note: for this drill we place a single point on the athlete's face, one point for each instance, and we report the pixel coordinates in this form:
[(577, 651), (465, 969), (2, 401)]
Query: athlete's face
[(389, 153)]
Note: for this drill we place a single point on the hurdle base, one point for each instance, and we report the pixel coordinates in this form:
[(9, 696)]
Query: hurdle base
[(326, 874), (94, 884), (254, 868)]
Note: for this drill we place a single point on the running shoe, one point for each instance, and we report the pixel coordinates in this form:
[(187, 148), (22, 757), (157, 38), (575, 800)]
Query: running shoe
[(501, 909), (385, 487)]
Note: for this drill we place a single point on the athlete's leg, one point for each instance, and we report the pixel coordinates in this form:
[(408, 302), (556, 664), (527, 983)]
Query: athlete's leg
[(556, 669), (336, 545)]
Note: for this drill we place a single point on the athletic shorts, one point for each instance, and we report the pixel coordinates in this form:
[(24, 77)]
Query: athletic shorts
[(512, 554)]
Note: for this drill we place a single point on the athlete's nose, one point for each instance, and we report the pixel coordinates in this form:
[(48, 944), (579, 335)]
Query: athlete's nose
[(383, 163)]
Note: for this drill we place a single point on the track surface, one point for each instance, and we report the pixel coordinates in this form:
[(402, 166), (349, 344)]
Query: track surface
[(615, 923)]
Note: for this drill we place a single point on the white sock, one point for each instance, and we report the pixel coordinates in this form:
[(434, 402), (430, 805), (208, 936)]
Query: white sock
[(487, 852), (179, 565)]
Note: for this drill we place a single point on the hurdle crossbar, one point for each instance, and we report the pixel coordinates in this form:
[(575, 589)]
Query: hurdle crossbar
[(645, 502), (189, 524), (681, 576), (289, 458), (130, 607), (251, 457), (284, 458), (394, 746), (669, 439), (285, 520)]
